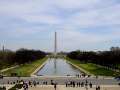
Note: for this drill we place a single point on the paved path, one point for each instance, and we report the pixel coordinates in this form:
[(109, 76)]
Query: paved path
[(60, 80), (7, 86), (3, 70), (62, 87)]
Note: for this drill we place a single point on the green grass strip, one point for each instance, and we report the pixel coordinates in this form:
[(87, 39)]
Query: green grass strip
[(25, 69), (94, 69)]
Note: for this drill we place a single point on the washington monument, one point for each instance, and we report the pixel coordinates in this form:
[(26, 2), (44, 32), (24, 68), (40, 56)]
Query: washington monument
[(55, 46)]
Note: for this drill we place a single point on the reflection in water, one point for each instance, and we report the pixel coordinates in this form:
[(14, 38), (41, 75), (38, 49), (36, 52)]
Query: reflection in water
[(55, 68), (58, 67)]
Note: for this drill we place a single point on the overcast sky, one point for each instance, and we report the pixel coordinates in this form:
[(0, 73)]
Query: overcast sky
[(80, 24)]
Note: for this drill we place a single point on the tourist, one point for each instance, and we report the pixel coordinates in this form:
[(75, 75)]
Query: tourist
[(68, 75), (73, 84), (34, 83), (98, 87), (80, 75), (55, 86), (83, 74), (69, 84), (4, 88), (89, 76), (86, 84), (90, 85), (86, 81), (17, 81), (45, 82), (8, 82), (77, 75), (66, 84), (82, 84), (79, 84), (13, 82), (38, 83), (52, 82), (25, 86), (96, 77), (119, 84), (30, 84)]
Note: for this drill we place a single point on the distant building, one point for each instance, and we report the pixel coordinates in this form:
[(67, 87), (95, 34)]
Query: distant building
[(115, 48)]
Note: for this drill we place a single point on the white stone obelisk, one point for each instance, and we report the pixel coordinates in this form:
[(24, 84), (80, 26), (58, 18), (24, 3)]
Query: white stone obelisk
[(55, 48)]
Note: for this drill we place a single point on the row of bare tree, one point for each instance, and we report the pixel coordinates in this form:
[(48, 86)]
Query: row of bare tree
[(21, 56), (110, 59)]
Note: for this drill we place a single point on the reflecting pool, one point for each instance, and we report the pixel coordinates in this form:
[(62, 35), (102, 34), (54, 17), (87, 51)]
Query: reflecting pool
[(58, 67)]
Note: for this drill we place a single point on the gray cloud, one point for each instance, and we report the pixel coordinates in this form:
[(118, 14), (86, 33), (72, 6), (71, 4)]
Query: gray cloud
[(28, 18)]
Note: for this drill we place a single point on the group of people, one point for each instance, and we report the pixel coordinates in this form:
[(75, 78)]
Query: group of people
[(14, 82), (34, 83), (97, 87), (82, 75), (54, 84), (27, 84), (78, 84), (81, 84)]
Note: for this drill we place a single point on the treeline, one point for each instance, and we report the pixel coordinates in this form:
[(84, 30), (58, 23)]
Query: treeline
[(21, 56), (109, 59)]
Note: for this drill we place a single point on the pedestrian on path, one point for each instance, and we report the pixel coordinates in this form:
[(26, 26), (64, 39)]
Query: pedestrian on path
[(66, 84), (55, 86), (79, 84), (52, 82), (90, 85), (119, 84)]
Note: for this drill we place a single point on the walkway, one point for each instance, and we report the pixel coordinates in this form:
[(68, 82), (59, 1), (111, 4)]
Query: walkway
[(62, 87), (3, 70), (61, 80)]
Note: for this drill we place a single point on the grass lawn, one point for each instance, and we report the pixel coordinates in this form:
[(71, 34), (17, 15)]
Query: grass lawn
[(94, 69), (26, 69), (4, 65)]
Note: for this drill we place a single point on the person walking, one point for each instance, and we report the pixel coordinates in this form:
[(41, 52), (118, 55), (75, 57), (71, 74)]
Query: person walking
[(90, 85), (55, 86), (98, 87), (51, 82), (79, 84), (66, 84)]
